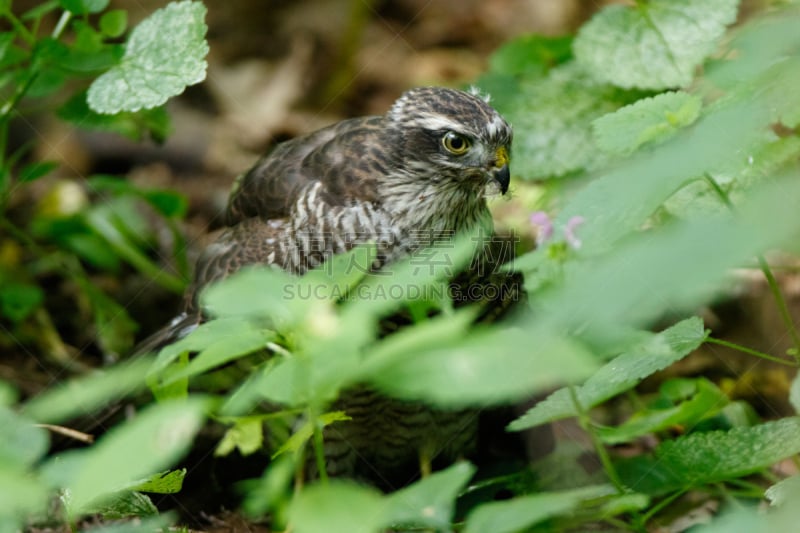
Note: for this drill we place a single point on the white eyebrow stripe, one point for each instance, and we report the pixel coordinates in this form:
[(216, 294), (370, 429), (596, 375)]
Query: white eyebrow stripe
[(437, 123)]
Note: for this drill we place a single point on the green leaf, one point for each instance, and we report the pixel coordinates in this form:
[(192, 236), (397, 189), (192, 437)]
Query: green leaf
[(136, 126), (531, 55), (525, 511), (644, 277), (22, 443), (622, 373), (654, 44), (23, 495), (707, 402), (783, 491), (246, 435), (34, 171), (164, 54), (163, 483), (430, 502), (123, 505), (481, 368), (301, 436), (648, 120), (114, 328), (710, 457), (552, 119), (337, 507), (80, 7), (19, 300), (89, 393), (150, 442), (114, 22)]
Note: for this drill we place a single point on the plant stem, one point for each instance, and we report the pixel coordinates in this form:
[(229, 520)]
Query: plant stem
[(783, 309), (750, 351), (319, 450), (19, 27), (586, 423)]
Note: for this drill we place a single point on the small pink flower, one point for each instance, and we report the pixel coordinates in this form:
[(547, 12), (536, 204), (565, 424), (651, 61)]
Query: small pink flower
[(569, 231), (544, 226)]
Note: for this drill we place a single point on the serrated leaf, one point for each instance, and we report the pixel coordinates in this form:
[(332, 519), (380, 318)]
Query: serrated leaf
[(653, 44), (622, 373), (523, 512), (430, 502), (337, 507), (647, 120), (552, 122), (125, 504), (710, 457), (164, 54), (163, 483), (87, 394), (619, 201), (152, 441)]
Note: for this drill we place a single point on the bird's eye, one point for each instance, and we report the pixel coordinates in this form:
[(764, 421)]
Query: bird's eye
[(455, 143)]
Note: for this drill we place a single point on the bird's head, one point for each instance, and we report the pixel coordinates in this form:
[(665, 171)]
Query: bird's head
[(452, 138)]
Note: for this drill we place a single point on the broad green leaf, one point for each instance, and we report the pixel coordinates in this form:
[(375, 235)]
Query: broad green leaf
[(647, 120), (622, 373), (707, 402), (621, 200), (552, 119), (786, 490), (87, 394), (702, 458), (246, 435), (756, 46), (154, 122), (114, 23), (653, 44), (649, 273), (18, 300), (710, 457), (123, 505), (481, 368), (21, 442), (279, 296), (151, 442), (429, 502), (241, 339), (338, 507), (163, 483), (794, 395), (23, 495), (736, 177), (525, 511), (164, 54)]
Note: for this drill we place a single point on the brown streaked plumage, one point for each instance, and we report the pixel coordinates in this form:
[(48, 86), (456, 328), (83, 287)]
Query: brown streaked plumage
[(424, 168)]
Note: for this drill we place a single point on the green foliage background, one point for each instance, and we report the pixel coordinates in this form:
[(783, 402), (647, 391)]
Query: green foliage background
[(671, 134)]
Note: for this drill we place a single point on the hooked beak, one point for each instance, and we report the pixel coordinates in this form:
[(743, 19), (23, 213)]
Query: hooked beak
[(501, 173)]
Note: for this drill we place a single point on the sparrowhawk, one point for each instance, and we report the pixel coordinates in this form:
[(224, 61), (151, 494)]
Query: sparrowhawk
[(426, 167)]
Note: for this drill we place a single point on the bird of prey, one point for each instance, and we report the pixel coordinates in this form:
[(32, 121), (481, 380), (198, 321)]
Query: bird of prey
[(425, 168)]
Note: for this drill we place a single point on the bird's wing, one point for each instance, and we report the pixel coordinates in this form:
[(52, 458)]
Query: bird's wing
[(335, 156)]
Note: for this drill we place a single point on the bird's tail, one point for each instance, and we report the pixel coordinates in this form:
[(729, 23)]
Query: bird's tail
[(178, 328)]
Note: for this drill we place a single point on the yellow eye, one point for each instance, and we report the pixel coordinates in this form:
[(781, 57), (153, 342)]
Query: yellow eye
[(455, 143)]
